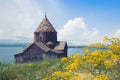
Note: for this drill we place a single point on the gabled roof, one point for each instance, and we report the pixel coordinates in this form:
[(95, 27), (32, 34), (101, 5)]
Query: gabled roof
[(56, 51), (45, 26), (60, 45), (42, 46), (28, 45)]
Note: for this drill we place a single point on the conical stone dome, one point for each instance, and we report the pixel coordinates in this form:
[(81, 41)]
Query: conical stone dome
[(45, 26)]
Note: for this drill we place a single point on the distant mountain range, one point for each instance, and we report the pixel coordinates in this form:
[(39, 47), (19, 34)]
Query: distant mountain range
[(14, 43)]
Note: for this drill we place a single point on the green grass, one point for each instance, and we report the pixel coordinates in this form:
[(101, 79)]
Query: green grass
[(41, 69), (37, 71)]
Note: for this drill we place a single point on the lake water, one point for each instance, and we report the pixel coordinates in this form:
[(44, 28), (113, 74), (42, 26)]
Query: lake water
[(7, 52)]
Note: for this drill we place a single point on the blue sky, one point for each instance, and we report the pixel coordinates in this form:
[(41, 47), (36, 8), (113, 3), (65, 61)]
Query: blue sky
[(79, 22)]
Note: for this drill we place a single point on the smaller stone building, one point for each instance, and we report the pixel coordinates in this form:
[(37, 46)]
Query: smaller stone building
[(45, 45)]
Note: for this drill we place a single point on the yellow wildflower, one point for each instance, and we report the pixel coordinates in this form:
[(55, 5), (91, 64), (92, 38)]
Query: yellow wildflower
[(30, 65), (73, 78), (76, 74), (72, 66), (75, 56), (109, 64), (105, 38), (95, 65), (115, 57), (113, 46), (57, 73), (54, 78), (64, 59), (65, 78), (66, 74), (48, 63), (45, 79), (101, 77), (95, 54), (77, 60), (98, 45), (87, 50)]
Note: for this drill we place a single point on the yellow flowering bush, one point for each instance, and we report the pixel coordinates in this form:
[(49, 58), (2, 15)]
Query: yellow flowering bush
[(93, 65), (109, 64), (101, 77), (64, 59), (74, 56), (105, 38), (72, 66), (86, 50), (57, 73), (67, 74)]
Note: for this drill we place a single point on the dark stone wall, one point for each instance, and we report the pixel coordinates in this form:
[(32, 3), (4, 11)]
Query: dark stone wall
[(34, 53), (51, 36), (36, 37), (18, 58), (64, 54), (45, 37), (66, 49)]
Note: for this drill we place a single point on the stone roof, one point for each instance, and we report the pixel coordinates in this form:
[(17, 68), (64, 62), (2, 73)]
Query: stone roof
[(42, 46), (28, 45), (49, 43), (60, 45), (58, 48), (56, 51), (45, 26)]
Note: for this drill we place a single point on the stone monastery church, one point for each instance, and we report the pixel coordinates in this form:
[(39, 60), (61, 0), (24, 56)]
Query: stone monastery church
[(44, 46)]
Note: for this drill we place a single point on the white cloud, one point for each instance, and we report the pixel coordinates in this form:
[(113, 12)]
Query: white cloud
[(18, 19), (117, 33), (75, 31)]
